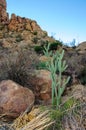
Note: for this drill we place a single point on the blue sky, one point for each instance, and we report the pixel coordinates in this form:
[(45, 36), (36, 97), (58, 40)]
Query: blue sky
[(64, 19)]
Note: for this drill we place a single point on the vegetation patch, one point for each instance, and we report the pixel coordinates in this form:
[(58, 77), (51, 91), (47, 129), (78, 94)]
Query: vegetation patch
[(52, 46), (82, 77), (19, 38), (35, 32), (38, 49)]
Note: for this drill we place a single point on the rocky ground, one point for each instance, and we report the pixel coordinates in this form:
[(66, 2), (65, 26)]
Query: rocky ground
[(22, 84)]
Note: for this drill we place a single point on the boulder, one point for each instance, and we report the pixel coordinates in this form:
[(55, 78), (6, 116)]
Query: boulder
[(77, 91), (13, 23), (76, 62), (14, 99), (28, 26), (35, 26), (40, 82), (81, 48)]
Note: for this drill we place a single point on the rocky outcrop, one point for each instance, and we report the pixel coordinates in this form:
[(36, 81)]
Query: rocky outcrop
[(81, 48), (20, 30), (3, 4), (76, 61), (3, 14), (18, 23), (14, 99)]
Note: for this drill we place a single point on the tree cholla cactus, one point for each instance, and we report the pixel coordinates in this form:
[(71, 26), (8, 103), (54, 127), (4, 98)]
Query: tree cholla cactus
[(56, 64)]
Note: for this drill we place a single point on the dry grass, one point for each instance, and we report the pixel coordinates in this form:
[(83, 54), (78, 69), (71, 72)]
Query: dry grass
[(35, 120), (76, 118)]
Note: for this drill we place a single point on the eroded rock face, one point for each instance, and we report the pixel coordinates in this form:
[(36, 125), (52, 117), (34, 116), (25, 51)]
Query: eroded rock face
[(18, 29), (14, 99), (3, 5), (3, 13), (18, 23)]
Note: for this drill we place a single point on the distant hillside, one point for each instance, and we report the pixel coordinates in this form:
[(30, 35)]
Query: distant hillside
[(19, 30)]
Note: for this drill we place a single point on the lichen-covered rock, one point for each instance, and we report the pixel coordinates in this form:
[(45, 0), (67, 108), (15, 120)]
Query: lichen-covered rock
[(14, 99)]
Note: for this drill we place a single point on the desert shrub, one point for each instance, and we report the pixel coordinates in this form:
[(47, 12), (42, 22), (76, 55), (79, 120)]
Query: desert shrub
[(18, 66), (73, 43), (35, 32), (18, 71), (55, 45), (38, 49), (35, 40), (19, 38), (82, 76), (23, 66), (51, 46), (1, 26), (41, 65), (58, 115)]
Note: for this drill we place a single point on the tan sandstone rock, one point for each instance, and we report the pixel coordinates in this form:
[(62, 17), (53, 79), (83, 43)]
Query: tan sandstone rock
[(14, 99), (41, 84), (81, 48), (3, 14)]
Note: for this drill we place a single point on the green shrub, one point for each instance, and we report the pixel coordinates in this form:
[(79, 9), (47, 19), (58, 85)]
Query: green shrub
[(38, 49), (69, 104), (58, 114), (46, 47), (54, 45), (42, 65), (35, 32)]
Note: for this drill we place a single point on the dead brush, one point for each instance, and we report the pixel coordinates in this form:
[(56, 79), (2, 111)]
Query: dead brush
[(35, 120)]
